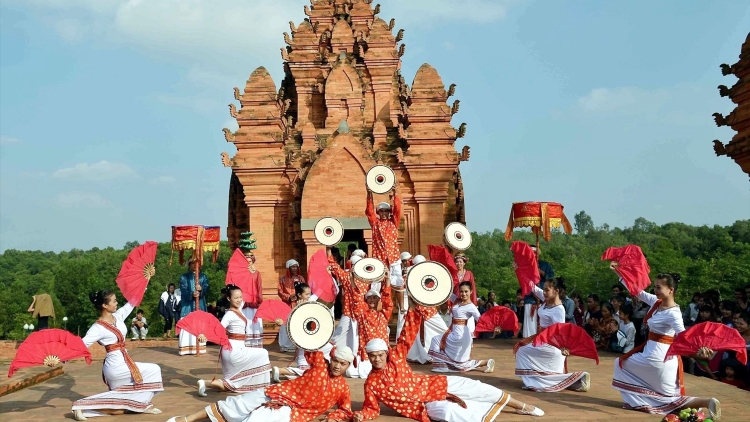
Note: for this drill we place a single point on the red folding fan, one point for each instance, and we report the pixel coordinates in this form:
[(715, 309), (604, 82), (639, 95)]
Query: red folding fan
[(321, 282), (442, 255), (49, 347), (631, 266), (238, 273), (497, 316), (273, 309), (571, 337), (527, 268), (136, 271), (201, 322), (713, 335)]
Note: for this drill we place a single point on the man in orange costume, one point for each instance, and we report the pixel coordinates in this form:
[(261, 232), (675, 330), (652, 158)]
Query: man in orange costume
[(304, 399), (384, 221), (427, 397)]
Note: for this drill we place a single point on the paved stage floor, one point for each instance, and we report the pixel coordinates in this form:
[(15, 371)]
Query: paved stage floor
[(51, 400)]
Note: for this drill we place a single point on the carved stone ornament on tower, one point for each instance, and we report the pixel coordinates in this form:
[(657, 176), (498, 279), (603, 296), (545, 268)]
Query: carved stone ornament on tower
[(738, 148), (343, 106)]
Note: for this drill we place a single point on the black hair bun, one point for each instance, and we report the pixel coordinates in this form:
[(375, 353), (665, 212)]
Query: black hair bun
[(676, 278), (95, 297)]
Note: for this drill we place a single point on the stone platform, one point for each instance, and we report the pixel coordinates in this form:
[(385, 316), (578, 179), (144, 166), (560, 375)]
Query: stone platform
[(51, 400)]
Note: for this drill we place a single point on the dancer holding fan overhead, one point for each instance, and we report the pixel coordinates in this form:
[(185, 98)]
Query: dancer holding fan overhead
[(542, 367), (132, 385), (647, 379), (245, 369)]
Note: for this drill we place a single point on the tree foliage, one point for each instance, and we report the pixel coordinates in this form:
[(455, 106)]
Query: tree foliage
[(707, 258)]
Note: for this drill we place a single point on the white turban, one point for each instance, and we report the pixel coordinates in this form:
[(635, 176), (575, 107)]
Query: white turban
[(359, 252), (383, 206), (405, 256), (344, 353), (354, 259), (291, 263), (418, 259), (376, 345), (372, 293)]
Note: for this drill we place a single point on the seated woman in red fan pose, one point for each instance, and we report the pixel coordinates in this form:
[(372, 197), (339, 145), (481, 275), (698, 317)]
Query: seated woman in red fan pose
[(132, 385), (542, 368), (245, 368), (645, 381)]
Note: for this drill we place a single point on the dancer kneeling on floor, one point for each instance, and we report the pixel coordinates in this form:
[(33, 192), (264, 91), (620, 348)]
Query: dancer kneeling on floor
[(245, 368), (303, 399), (543, 368), (451, 352)]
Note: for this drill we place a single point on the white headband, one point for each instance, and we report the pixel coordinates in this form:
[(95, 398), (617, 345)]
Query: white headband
[(372, 293), (405, 256), (343, 353), (376, 345), (359, 252), (418, 259), (291, 263), (383, 206), (354, 259)]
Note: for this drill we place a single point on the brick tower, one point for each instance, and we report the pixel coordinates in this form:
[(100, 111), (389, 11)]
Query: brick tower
[(343, 107), (738, 148)]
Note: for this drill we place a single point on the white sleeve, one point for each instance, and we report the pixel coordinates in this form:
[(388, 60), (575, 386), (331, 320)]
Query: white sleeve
[(124, 311), (226, 319), (313, 298), (93, 335), (647, 298), (164, 297), (474, 312), (539, 293)]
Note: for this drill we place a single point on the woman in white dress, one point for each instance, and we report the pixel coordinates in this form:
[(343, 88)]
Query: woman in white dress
[(645, 381), (132, 385), (542, 368), (303, 295), (245, 368), (451, 352)]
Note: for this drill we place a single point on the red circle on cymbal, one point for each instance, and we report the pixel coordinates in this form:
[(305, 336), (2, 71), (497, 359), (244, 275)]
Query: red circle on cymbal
[(328, 231), (369, 268), (459, 236)]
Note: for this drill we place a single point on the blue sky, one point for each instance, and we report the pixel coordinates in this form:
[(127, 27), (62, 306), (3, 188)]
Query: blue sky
[(111, 111)]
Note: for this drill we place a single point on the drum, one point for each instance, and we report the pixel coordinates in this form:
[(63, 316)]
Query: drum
[(329, 231), (429, 283), (310, 326), (457, 236), (369, 270), (381, 179)]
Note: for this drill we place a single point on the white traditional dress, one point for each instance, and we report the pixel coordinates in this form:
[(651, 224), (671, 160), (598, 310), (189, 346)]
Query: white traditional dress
[(434, 327), (132, 385), (484, 402), (245, 368), (451, 352), (542, 368), (645, 381)]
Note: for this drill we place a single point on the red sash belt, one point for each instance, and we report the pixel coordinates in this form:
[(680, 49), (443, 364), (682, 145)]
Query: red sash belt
[(231, 336), (134, 371)]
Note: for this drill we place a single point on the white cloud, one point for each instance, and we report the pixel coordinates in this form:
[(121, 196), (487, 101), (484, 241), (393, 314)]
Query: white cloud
[(6, 140), (84, 200), (431, 12), (606, 100), (163, 180), (71, 30), (103, 170)]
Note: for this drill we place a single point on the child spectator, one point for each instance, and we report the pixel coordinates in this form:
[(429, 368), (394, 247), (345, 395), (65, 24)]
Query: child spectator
[(626, 333), (138, 326), (690, 314), (732, 372)]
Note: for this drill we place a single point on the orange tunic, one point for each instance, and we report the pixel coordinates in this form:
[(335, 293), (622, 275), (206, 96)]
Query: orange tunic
[(286, 289), (372, 323), (396, 386), (349, 293), (312, 394), (385, 232)]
